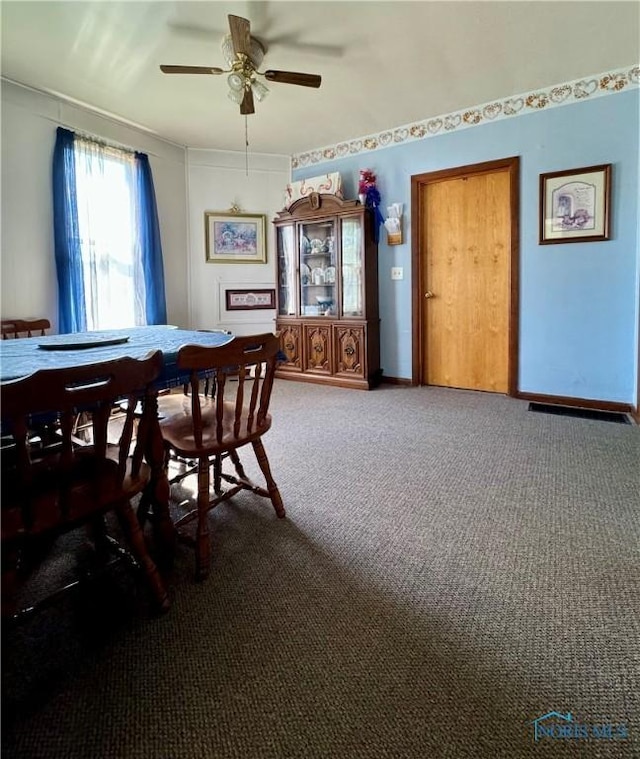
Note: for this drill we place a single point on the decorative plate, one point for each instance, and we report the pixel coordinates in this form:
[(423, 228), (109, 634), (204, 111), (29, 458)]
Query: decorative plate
[(88, 341)]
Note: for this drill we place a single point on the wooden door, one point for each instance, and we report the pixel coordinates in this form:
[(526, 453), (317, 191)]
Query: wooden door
[(466, 245)]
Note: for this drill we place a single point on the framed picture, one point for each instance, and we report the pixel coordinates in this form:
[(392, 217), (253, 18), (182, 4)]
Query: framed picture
[(248, 300), (235, 238), (575, 205)]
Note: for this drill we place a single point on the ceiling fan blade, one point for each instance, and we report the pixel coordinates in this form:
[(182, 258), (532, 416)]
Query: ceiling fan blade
[(293, 77), (290, 42), (246, 106), (240, 34), (191, 70), (204, 33)]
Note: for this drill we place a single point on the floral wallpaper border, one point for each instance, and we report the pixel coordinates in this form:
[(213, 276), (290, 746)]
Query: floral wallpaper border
[(515, 105)]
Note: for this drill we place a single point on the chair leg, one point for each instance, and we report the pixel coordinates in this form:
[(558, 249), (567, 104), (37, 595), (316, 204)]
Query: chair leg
[(274, 493), (217, 474), (143, 509), (10, 582), (100, 538), (133, 531), (203, 545), (233, 455)]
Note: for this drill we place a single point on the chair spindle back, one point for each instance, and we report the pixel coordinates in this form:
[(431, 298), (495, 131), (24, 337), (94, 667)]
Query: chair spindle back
[(63, 393), (14, 328), (235, 359)]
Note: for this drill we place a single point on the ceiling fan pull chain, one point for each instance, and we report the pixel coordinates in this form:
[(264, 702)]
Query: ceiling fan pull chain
[(246, 145)]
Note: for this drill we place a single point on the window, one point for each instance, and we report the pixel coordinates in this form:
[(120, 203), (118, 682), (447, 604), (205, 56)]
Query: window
[(108, 254), (105, 191)]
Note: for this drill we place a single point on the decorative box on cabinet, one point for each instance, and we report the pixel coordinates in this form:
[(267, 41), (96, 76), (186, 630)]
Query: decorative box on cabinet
[(327, 294)]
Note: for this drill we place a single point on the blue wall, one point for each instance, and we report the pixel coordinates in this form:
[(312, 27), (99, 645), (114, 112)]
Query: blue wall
[(578, 302)]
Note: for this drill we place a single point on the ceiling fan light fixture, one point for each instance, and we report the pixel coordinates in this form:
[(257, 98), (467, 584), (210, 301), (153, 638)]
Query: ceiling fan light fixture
[(237, 96), (235, 82), (259, 90)]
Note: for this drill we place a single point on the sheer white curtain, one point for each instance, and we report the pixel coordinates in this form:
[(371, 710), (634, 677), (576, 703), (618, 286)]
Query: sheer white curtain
[(107, 217)]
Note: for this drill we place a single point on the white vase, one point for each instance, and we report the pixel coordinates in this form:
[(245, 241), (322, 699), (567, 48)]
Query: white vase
[(362, 198)]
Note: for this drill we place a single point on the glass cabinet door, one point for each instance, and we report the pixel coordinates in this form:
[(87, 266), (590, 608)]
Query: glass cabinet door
[(286, 271), (318, 289), (352, 268)]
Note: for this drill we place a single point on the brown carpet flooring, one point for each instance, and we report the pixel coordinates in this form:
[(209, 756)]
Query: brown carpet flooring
[(451, 567)]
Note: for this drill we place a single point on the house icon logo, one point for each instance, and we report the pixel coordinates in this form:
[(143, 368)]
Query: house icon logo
[(558, 726), (540, 726)]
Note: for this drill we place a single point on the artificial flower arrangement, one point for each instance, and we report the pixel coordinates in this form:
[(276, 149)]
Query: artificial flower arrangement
[(369, 195), (366, 182)]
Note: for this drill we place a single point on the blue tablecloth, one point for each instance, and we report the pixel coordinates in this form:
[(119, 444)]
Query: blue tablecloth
[(24, 356)]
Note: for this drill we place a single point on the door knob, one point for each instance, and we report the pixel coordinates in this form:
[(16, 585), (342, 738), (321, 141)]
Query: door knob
[(429, 294)]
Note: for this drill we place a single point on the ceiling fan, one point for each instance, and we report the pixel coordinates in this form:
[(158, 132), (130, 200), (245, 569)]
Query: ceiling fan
[(243, 55)]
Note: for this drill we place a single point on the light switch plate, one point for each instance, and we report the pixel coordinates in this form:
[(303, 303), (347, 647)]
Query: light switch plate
[(397, 272)]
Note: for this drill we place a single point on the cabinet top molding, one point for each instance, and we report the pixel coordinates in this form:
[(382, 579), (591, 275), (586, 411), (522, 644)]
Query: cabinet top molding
[(315, 202)]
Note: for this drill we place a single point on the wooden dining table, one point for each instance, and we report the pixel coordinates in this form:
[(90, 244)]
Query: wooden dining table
[(24, 356)]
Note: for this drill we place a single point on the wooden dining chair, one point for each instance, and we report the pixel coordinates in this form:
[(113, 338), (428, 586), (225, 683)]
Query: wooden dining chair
[(14, 328), (210, 430), (208, 383), (47, 493), (171, 403), (8, 327)]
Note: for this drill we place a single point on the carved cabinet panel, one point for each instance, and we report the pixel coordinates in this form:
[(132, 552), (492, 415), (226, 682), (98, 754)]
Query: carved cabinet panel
[(317, 343), (350, 350), (290, 345)]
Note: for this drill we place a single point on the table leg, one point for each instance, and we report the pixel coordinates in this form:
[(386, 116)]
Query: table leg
[(158, 491)]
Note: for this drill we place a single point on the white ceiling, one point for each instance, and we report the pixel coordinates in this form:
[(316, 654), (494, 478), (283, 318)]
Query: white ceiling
[(383, 64)]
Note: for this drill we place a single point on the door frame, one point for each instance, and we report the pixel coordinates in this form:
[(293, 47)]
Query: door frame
[(419, 185)]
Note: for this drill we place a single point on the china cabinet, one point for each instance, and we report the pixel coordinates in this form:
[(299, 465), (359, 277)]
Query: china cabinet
[(327, 292)]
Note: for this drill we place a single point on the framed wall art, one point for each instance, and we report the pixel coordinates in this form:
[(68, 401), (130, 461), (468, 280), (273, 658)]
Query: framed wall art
[(248, 300), (235, 238), (575, 205)]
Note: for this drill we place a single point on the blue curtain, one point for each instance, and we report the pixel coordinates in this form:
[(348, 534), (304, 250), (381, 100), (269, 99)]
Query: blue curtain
[(71, 302), (149, 231)]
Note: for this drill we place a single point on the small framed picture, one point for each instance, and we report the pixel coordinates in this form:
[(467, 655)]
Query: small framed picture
[(575, 205), (248, 300), (235, 238)]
